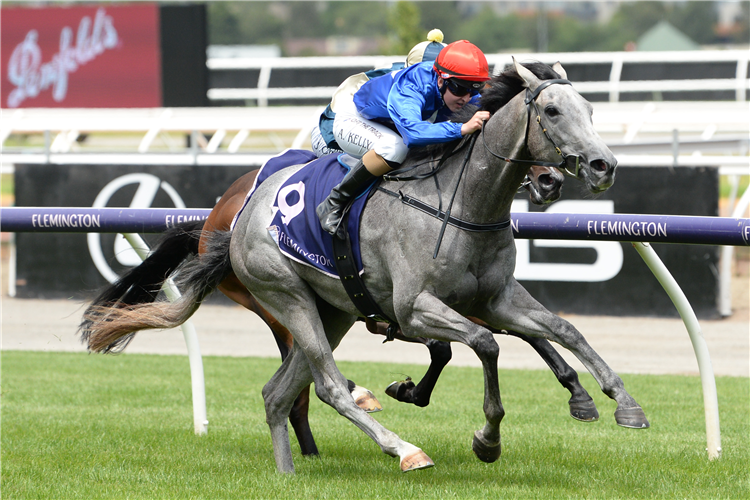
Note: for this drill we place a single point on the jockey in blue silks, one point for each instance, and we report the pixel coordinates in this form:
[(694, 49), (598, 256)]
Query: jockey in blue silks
[(402, 109), (322, 139)]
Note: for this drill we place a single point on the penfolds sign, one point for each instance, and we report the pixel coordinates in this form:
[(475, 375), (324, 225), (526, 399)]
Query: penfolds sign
[(90, 56)]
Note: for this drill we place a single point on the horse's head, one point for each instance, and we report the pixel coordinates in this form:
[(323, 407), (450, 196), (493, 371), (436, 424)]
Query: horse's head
[(566, 130), (544, 184)]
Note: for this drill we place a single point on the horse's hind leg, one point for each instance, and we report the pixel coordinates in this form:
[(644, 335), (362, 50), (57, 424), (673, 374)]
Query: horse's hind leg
[(330, 384), (516, 310), (235, 290), (278, 397)]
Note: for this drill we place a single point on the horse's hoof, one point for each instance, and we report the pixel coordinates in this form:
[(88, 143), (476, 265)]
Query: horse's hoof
[(585, 411), (633, 418), (366, 400), (417, 460), (485, 451), (397, 390)]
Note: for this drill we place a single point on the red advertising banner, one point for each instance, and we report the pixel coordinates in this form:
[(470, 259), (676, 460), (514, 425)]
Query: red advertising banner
[(93, 56)]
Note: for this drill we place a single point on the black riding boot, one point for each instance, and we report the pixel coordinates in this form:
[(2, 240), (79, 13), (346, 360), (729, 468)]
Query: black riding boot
[(331, 210)]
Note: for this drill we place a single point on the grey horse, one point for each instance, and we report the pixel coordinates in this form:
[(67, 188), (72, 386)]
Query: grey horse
[(473, 274), (537, 117)]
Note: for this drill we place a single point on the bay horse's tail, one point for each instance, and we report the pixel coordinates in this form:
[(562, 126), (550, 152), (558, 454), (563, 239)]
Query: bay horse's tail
[(128, 306), (142, 283)]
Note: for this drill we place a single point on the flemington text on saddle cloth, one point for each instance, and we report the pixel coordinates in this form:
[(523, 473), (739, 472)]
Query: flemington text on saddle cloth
[(295, 226)]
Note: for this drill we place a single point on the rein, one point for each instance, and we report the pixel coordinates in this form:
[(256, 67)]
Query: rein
[(446, 216), (472, 140)]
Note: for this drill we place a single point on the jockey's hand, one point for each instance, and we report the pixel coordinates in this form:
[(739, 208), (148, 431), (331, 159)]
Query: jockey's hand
[(475, 123)]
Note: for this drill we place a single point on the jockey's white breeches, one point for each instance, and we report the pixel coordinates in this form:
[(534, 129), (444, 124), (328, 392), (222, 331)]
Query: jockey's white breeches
[(357, 135), (319, 146)]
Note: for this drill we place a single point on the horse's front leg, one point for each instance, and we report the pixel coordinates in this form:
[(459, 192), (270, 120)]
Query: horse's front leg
[(515, 309), (581, 404), (430, 317)]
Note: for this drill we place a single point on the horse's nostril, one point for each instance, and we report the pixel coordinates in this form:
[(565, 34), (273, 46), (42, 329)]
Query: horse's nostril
[(599, 165), (546, 180)]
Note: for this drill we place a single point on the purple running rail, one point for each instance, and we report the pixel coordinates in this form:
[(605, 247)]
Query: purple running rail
[(609, 227)]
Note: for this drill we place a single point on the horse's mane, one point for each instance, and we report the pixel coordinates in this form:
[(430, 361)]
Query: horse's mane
[(502, 88)]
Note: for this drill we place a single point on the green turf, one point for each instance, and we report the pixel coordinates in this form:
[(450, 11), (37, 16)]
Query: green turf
[(7, 185), (725, 187), (91, 426)]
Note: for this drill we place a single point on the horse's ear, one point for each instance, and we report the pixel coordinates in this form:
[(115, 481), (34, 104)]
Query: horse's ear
[(560, 70), (529, 79)]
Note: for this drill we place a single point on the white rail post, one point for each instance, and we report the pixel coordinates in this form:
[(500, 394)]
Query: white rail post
[(191, 340), (710, 400)]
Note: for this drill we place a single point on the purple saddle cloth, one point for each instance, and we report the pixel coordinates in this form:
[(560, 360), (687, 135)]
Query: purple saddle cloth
[(295, 226)]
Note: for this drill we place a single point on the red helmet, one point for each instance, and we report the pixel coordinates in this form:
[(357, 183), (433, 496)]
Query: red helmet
[(462, 60)]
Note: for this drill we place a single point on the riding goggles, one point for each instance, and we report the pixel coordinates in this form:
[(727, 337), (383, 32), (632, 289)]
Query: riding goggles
[(460, 88)]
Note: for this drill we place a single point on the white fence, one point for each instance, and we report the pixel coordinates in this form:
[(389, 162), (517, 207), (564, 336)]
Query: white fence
[(219, 133), (614, 86)]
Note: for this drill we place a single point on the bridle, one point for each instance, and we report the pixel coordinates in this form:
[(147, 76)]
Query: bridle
[(445, 216), (568, 161)]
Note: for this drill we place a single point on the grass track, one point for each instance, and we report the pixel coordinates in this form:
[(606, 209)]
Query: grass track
[(89, 426)]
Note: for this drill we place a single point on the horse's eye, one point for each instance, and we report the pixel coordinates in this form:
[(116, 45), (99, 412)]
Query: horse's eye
[(551, 111)]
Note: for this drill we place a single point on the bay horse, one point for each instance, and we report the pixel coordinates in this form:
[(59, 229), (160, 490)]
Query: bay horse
[(428, 297)]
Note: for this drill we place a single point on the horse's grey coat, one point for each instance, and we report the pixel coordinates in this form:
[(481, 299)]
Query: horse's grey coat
[(473, 274)]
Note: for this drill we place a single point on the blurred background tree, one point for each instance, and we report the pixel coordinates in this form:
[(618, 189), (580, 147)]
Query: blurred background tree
[(490, 32), (402, 24), (238, 23), (405, 22)]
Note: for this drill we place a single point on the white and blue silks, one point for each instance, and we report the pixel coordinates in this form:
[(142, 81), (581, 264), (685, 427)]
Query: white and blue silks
[(394, 112), (324, 142), (294, 225)]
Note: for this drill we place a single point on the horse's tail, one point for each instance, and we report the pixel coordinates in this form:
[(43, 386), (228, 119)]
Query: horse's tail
[(110, 326), (142, 284)]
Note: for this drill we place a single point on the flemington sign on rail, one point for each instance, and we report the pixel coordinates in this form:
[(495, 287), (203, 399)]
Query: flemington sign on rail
[(66, 221), (96, 220), (634, 227), (571, 259), (662, 228)]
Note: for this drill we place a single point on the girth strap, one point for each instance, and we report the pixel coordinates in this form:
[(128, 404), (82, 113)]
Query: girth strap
[(346, 266), (439, 214)]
